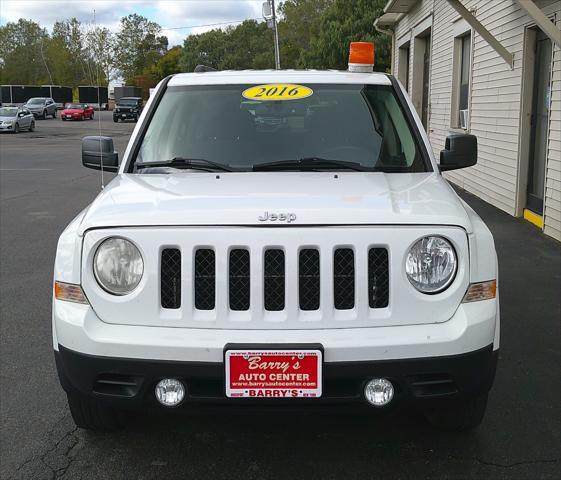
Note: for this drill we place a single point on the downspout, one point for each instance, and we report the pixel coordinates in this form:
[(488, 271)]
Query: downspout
[(391, 34)]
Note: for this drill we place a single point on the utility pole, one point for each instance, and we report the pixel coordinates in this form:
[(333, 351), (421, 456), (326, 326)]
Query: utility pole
[(270, 15), (276, 32)]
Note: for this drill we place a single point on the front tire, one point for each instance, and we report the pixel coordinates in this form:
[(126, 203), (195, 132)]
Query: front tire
[(16, 128), (32, 127), (116, 120), (91, 414), (44, 115), (54, 114), (458, 416)]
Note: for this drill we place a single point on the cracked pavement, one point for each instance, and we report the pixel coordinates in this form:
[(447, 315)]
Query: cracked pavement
[(42, 186)]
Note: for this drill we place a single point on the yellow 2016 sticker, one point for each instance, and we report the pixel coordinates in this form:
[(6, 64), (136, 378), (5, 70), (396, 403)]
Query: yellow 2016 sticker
[(277, 91)]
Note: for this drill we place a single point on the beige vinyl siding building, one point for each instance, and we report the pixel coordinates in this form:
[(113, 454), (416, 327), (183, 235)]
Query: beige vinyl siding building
[(501, 83)]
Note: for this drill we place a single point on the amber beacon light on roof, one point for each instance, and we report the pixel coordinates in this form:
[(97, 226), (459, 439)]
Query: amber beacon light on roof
[(361, 57)]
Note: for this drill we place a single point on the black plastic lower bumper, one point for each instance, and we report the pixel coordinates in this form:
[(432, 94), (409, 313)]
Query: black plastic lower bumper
[(125, 115), (129, 383)]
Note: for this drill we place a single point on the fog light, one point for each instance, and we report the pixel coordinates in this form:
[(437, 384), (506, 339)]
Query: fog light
[(170, 392), (378, 392)]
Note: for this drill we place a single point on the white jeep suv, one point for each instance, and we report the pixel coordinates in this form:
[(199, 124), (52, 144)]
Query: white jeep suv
[(277, 238)]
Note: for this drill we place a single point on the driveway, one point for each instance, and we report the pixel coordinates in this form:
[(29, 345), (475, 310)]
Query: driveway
[(42, 187)]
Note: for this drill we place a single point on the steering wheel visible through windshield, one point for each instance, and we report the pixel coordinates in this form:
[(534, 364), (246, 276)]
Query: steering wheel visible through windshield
[(360, 124)]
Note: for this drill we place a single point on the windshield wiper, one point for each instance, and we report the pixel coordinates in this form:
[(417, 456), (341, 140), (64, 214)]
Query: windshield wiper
[(188, 163), (310, 164)]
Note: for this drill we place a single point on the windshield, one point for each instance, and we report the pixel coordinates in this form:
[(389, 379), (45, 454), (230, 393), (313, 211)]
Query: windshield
[(127, 102), (8, 112), (363, 124), (76, 106), (36, 101)]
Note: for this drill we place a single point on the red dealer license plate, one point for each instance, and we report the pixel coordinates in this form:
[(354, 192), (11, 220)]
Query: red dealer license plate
[(273, 373)]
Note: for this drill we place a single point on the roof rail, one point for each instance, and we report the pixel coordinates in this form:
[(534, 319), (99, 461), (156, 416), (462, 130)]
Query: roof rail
[(204, 68)]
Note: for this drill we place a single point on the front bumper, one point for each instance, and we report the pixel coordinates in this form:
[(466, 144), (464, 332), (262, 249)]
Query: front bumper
[(427, 363), (8, 127), (125, 115), (472, 327), (420, 382)]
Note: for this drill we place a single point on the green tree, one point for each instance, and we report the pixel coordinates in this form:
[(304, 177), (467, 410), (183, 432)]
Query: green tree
[(67, 53), (300, 22), (138, 45), (23, 59), (207, 48), (248, 45), (99, 42), (343, 22), (168, 64)]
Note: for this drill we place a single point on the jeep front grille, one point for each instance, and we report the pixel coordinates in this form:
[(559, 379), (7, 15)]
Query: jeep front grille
[(274, 283)]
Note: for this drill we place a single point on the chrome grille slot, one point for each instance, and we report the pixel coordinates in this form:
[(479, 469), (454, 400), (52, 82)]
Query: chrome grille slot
[(274, 280), (170, 278), (205, 279), (239, 280), (378, 278), (344, 278), (308, 279)]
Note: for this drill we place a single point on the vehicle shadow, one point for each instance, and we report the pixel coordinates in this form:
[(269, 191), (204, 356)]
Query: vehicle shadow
[(223, 445)]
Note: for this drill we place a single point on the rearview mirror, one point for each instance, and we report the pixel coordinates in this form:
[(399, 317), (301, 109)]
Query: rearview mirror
[(460, 151), (96, 150)]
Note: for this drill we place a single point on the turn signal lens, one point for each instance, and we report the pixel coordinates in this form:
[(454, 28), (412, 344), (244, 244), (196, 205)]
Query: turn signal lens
[(70, 292), (361, 57), (481, 291)]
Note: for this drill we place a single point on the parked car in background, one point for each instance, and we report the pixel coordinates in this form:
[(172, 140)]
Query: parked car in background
[(77, 111), (41, 107), (14, 119), (127, 108)]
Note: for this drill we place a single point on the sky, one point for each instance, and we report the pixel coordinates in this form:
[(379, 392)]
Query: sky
[(169, 14)]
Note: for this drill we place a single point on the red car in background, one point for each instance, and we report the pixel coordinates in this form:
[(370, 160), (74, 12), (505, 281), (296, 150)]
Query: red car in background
[(77, 111)]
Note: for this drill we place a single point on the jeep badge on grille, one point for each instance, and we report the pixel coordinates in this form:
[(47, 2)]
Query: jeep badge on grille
[(281, 217)]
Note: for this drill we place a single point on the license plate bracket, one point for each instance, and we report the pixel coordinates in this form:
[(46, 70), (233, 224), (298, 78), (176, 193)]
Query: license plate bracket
[(273, 372)]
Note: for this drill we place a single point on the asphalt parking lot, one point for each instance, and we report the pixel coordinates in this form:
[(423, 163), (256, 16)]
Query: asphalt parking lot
[(42, 187)]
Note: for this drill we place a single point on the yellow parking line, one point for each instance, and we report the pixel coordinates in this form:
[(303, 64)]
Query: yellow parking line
[(534, 218)]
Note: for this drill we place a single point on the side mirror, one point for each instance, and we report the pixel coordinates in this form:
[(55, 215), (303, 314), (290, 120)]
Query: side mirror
[(96, 150), (460, 151), (21, 114)]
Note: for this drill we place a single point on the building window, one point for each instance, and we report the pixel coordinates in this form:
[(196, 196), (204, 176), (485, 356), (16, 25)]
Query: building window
[(460, 92), (403, 66)]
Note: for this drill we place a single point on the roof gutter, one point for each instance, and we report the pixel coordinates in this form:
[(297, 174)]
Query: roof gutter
[(391, 34)]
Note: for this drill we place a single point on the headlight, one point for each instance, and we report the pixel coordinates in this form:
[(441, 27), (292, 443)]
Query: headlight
[(431, 264), (118, 266)]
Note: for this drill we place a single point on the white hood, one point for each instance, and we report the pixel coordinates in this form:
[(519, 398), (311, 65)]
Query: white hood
[(315, 198)]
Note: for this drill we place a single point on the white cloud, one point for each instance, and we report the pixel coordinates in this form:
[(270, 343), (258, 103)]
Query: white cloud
[(201, 15), (167, 13)]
